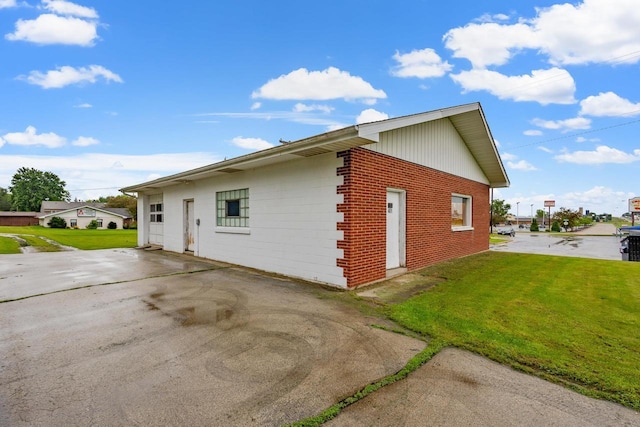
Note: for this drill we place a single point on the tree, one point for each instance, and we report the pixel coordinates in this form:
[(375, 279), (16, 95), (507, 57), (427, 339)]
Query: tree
[(571, 217), (29, 187), (5, 200), (534, 225), (122, 201), (57, 222), (500, 211)]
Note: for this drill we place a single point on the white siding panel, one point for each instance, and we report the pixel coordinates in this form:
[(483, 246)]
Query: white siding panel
[(434, 144), (292, 215)]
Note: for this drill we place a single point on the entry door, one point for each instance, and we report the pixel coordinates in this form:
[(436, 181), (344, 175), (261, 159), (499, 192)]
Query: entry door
[(394, 229), (189, 226)]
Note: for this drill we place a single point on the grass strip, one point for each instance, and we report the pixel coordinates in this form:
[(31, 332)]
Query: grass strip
[(80, 238), (9, 246), (433, 348), (573, 321)]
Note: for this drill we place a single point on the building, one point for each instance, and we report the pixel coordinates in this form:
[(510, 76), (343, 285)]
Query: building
[(345, 208), (18, 219), (80, 214)]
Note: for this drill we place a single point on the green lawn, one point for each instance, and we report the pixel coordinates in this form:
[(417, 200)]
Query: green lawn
[(9, 246), (80, 239), (570, 320)]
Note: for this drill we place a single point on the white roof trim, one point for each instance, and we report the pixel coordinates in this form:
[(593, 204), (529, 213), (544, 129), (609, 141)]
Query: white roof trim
[(483, 148), (83, 207)]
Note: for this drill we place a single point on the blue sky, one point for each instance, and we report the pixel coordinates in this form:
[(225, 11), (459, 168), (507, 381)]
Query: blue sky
[(110, 94)]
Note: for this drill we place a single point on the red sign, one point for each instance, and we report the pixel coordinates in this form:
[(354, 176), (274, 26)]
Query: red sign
[(549, 203), (634, 204)]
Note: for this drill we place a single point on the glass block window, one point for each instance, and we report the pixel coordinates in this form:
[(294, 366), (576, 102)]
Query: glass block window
[(232, 208)]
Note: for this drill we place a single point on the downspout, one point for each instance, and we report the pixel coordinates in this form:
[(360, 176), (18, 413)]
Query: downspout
[(491, 211)]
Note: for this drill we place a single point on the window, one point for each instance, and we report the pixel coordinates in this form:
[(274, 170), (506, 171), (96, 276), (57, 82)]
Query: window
[(232, 208), (156, 212), (99, 220), (460, 212), (73, 222)]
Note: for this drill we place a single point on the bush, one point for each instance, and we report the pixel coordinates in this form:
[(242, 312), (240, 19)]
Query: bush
[(555, 226), (534, 225), (92, 225), (112, 225), (57, 222)]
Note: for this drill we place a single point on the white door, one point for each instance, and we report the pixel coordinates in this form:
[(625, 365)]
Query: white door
[(393, 229), (189, 226)]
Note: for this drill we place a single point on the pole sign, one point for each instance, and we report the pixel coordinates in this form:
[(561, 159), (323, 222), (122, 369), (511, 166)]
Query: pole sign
[(549, 203), (634, 204)]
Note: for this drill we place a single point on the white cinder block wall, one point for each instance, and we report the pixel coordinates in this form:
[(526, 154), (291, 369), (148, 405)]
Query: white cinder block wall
[(292, 215)]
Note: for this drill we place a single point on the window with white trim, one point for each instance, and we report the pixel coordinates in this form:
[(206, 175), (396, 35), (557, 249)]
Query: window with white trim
[(232, 208), (156, 212), (99, 220), (73, 222), (460, 212)]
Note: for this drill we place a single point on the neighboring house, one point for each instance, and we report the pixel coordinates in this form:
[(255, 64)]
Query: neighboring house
[(346, 208), (82, 214), (16, 219), (49, 206)]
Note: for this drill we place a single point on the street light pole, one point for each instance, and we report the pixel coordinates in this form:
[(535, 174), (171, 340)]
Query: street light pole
[(531, 213), (517, 212)]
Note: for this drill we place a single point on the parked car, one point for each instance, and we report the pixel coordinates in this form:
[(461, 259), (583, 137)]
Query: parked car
[(507, 231)]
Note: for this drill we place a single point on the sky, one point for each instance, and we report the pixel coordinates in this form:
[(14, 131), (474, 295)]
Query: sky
[(114, 93)]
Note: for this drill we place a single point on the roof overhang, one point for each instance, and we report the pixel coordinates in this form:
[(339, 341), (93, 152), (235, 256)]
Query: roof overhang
[(468, 119)]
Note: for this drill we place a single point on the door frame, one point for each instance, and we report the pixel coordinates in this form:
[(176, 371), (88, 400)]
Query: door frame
[(189, 225), (402, 226)]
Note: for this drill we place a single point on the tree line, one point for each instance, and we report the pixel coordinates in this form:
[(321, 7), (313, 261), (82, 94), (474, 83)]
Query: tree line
[(30, 187)]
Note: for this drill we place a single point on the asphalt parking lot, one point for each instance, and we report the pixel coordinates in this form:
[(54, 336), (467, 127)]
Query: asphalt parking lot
[(129, 337)]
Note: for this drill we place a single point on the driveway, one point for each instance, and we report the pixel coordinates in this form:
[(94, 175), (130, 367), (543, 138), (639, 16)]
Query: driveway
[(128, 337)]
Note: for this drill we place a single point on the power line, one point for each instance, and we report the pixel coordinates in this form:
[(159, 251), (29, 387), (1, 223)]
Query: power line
[(578, 133)]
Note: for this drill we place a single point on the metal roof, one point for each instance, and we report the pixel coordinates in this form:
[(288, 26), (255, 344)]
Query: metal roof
[(469, 121)]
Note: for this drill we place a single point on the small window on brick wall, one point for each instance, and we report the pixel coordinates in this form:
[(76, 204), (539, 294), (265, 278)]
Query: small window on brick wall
[(232, 208), (460, 211)]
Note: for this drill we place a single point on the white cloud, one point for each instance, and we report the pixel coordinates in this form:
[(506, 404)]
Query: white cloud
[(598, 199), (7, 3), (67, 75), (552, 86), (608, 104), (85, 141), (251, 143), (302, 108), (577, 123), (583, 139), (489, 43), (54, 29), (522, 165), (545, 149), (370, 115), (31, 137), (532, 132), (62, 7), (90, 176), (332, 83), (256, 105), (591, 31), (422, 64), (508, 156), (84, 105), (291, 116), (602, 154)]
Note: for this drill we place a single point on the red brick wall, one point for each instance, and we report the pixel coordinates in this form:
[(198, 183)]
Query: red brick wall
[(429, 238)]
